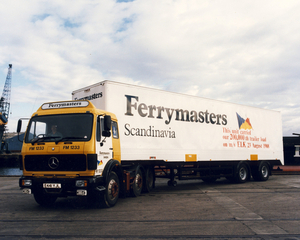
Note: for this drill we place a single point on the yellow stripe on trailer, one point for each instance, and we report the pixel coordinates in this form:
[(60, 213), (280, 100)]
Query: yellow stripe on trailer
[(254, 157), (191, 157)]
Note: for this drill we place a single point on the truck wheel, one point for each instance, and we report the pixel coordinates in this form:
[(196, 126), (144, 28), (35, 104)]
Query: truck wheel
[(242, 173), (112, 190), (263, 172), (137, 184), (44, 200), (149, 180)]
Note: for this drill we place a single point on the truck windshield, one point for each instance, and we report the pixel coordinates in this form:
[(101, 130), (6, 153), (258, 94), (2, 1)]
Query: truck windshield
[(55, 128)]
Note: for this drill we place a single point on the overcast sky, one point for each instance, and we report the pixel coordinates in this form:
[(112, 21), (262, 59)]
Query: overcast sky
[(245, 52)]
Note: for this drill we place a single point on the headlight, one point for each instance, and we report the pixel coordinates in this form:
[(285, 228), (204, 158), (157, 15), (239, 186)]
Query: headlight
[(26, 183), (81, 183)]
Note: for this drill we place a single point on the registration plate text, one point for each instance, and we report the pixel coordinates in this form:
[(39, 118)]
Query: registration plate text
[(51, 185)]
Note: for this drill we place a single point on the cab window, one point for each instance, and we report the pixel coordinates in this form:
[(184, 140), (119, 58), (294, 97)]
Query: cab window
[(115, 131)]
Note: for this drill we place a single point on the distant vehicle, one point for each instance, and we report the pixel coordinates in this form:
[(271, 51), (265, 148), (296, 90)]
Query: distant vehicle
[(116, 139)]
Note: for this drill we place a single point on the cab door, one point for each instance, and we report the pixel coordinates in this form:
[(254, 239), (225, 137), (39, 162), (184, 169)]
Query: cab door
[(104, 148)]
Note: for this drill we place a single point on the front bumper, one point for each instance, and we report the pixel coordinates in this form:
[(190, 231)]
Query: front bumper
[(62, 187)]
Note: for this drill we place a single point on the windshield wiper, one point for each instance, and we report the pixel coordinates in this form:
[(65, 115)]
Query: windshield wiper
[(67, 138), (39, 139)]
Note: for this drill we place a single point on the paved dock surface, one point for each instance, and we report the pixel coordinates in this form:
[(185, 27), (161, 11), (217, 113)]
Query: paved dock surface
[(192, 210)]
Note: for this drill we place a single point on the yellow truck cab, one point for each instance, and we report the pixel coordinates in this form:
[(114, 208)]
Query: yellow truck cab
[(68, 150)]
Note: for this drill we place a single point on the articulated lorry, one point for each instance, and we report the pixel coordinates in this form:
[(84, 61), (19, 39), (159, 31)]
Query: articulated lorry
[(115, 139)]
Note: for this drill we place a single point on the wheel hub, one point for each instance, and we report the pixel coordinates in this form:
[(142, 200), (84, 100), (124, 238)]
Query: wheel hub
[(138, 181), (264, 171), (243, 174), (113, 188)]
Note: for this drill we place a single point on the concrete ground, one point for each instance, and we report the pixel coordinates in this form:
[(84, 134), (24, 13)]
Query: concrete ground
[(192, 210)]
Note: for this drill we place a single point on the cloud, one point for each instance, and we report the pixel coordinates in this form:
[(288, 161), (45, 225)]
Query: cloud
[(244, 52)]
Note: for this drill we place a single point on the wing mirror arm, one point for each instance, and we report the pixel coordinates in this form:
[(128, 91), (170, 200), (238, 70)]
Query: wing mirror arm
[(19, 127)]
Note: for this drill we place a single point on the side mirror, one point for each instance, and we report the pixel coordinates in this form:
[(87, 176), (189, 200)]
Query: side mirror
[(107, 123), (106, 134), (19, 127), (106, 126)]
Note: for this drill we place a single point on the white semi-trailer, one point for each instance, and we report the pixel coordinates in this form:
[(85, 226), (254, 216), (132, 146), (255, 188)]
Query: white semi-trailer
[(138, 134)]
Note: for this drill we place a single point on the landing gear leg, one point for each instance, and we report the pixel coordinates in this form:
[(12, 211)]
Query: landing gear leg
[(172, 182)]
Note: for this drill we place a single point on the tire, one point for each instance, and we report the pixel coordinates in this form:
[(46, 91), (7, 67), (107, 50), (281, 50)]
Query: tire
[(137, 184), (112, 191), (149, 180), (262, 173), (242, 173), (45, 200)]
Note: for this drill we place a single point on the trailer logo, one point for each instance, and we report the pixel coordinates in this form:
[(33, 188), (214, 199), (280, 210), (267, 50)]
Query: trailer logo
[(91, 97), (243, 124), (160, 112)]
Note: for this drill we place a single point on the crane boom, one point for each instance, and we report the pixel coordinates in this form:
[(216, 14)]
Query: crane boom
[(4, 109), (5, 99)]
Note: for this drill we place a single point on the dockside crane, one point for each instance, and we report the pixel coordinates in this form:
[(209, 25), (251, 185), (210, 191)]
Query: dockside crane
[(4, 107)]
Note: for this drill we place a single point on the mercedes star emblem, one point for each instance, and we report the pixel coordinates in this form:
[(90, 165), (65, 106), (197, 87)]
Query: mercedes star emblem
[(53, 163)]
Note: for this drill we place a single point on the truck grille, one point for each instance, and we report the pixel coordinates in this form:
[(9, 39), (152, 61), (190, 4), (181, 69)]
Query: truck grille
[(55, 162)]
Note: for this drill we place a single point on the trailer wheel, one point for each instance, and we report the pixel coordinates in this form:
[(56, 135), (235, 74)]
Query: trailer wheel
[(149, 180), (242, 173), (112, 190), (44, 200), (262, 173), (137, 184)]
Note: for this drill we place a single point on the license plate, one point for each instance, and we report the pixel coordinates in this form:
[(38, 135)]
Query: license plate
[(51, 185)]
